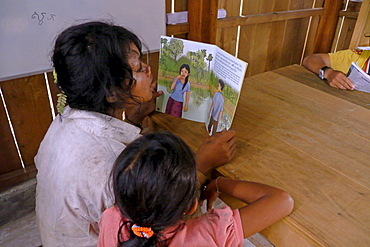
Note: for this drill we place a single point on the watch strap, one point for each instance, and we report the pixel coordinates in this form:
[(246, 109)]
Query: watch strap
[(321, 72)]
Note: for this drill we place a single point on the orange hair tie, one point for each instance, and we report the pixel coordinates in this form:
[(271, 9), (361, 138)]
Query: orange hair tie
[(142, 232)]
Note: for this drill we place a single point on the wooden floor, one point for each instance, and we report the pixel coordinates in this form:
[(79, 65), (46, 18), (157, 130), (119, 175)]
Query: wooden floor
[(21, 232)]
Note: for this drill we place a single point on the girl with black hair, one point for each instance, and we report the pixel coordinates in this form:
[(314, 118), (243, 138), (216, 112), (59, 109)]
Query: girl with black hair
[(109, 91), (180, 86), (154, 181)]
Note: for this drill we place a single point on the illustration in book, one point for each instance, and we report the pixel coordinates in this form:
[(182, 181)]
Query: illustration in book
[(200, 82)]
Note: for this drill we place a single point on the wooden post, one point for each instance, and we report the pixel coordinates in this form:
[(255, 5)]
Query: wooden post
[(362, 26), (327, 26), (202, 17)]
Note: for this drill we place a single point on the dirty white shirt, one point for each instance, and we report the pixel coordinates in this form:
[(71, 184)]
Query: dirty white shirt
[(74, 163)]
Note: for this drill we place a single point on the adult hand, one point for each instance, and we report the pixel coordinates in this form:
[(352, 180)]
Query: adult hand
[(215, 151), (338, 79), (136, 113), (186, 108)]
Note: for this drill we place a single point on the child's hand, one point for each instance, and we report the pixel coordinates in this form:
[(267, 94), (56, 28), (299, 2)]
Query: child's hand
[(210, 194), (185, 108)]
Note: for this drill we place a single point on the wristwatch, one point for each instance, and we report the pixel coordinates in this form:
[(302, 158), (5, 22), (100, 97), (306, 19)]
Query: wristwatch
[(322, 72)]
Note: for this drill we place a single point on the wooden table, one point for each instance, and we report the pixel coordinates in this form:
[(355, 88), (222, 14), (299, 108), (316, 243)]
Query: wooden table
[(297, 133)]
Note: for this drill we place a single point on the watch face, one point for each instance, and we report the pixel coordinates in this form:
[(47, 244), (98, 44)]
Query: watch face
[(321, 74)]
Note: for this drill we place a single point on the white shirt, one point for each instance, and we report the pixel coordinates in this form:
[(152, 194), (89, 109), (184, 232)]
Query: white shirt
[(74, 163)]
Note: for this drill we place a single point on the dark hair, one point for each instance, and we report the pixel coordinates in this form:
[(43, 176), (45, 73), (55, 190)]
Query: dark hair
[(187, 67), (154, 182), (222, 83), (91, 59)]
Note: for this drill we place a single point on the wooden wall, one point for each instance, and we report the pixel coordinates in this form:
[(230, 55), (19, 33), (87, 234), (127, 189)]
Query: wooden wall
[(272, 33), (361, 32), (28, 107), (346, 25), (267, 34)]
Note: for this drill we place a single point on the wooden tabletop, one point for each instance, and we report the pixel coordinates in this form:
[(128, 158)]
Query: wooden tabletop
[(297, 133)]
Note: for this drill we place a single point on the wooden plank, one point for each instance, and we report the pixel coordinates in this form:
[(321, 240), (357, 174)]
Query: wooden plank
[(168, 6), (266, 6), (172, 123), (348, 14), (250, 8), (346, 125), (268, 17), (301, 74), (226, 39), (9, 160), (299, 40), (270, 37), (288, 43), (275, 45), (327, 24), (247, 42), (202, 20), (154, 64), (311, 36), (362, 26), (247, 38), (342, 41), (176, 29), (29, 111), (10, 179), (232, 7), (260, 53), (181, 5)]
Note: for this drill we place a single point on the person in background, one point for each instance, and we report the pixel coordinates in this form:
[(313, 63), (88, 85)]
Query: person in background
[(180, 86), (154, 182), (333, 67), (109, 91), (216, 109)]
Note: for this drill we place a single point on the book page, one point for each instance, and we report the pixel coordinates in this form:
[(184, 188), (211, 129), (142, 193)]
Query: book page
[(359, 78), (225, 88), (190, 101), (200, 82)]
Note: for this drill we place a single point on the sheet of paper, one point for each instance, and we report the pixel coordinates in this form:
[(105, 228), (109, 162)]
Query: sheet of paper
[(359, 78)]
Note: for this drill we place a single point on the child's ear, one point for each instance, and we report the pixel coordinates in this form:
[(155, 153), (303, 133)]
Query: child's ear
[(193, 207)]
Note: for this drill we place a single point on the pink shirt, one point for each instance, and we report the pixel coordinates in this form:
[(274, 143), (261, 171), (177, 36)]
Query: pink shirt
[(218, 227)]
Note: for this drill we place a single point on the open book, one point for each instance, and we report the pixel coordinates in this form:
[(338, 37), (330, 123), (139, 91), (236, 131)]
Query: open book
[(200, 82), (359, 78)]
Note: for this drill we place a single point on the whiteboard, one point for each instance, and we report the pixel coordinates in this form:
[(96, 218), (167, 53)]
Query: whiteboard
[(28, 28)]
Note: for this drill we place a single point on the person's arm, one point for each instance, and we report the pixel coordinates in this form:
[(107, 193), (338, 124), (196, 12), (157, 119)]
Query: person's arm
[(174, 82), (187, 97), (266, 204), (335, 78)]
